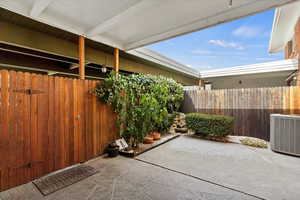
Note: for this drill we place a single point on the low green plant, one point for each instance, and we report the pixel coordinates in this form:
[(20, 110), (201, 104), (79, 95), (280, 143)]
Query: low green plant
[(210, 125), (254, 142), (142, 103)]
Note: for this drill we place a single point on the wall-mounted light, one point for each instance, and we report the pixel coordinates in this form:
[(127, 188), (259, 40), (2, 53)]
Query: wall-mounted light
[(103, 69), (230, 3)]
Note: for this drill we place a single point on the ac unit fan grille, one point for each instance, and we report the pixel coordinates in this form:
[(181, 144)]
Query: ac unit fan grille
[(285, 134)]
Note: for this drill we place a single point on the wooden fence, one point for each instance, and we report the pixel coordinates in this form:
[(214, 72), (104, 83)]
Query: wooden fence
[(251, 107), (48, 123)]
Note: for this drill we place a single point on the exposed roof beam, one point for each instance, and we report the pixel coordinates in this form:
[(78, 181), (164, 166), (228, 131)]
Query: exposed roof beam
[(47, 71), (50, 73), (74, 66), (102, 27), (38, 7)]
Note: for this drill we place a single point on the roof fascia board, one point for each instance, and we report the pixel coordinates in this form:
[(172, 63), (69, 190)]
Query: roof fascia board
[(277, 15), (164, 61), (283, 65)]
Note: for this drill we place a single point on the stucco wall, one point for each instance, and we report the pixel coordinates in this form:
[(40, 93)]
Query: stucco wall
[(249, 81), (29, 38)]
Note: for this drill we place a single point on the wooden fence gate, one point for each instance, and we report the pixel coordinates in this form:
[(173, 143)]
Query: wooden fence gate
[(251, 107), (48, 123)]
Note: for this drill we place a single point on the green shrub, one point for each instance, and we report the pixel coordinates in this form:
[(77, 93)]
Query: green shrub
[(142, 103), (210, 125)]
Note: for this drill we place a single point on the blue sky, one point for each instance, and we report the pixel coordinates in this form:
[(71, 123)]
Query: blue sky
[(240, 42)]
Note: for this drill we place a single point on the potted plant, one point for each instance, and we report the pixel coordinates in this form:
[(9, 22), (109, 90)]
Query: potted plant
[(148, 140), (141, 102), (112, 150), (155, 135)]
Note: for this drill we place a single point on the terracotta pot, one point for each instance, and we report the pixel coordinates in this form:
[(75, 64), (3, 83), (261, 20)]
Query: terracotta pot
[(148, 140), (155, 135)]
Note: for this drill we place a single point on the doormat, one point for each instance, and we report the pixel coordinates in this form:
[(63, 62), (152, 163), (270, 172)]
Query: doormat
[(53, 182)]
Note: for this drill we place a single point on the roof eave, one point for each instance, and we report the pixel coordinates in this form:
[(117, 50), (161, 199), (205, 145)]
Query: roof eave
[(282, 65), (157, 58)]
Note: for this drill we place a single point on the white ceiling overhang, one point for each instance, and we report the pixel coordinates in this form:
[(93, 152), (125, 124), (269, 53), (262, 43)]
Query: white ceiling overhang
[(129, 24), (284, 23)]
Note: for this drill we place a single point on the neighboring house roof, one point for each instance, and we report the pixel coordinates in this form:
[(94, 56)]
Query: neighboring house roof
[(269, 67), (129, 24), (157, 58), (285, 19)]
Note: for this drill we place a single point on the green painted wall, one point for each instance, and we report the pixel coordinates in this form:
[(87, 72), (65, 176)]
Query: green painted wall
[(33, 39)]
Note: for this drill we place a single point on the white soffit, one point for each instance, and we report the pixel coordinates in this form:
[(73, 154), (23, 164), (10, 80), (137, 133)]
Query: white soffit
[(276, 66), (285, 19), (129, 24)]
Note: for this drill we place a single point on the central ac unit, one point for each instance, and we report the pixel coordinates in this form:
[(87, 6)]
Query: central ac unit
[(285, 134)]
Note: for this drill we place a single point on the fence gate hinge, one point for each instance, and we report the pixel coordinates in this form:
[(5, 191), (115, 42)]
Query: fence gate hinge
[(27, 165)]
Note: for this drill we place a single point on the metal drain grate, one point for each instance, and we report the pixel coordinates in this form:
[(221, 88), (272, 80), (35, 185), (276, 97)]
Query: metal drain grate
[(51, 183)]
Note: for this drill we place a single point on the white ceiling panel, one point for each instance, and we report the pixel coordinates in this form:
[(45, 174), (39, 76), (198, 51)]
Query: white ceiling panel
[(129, 24), (284, 23)]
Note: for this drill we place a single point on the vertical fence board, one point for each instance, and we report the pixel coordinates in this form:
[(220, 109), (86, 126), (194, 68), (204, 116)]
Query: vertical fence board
[(50, 154), (4, 128), (58, 124), (250, 107), (12, 132)]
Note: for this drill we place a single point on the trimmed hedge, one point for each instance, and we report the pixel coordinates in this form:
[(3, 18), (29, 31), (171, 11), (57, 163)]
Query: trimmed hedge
[(210, 125)]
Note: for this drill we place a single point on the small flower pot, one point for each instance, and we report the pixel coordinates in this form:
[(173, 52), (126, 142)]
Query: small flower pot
[(148, 140), (156, 135)]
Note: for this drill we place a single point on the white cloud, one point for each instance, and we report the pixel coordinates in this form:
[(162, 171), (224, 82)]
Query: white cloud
[(225, 44), (201, 52), (248, 31)]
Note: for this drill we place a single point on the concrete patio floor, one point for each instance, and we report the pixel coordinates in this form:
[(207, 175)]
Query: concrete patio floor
[(130, 179), (186, 169), (255, 171)]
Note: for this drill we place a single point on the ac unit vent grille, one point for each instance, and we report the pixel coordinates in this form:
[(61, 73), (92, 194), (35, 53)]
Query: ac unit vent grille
[(285, 133)]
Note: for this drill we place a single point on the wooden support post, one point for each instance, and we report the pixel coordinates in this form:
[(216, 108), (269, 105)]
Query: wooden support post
[(116, 61), (297, 49), (298, 75), (81, 57), (201, 84)]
